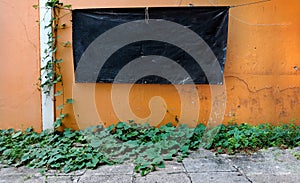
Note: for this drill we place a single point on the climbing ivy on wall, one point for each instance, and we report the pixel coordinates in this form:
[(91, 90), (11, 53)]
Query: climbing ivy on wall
[(53, 78)]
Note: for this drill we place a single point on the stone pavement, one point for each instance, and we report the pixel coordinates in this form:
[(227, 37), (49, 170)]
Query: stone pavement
[(272, 165)]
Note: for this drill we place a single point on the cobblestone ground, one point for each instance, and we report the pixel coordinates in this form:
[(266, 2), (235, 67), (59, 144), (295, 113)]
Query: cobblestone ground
[(272, 165)]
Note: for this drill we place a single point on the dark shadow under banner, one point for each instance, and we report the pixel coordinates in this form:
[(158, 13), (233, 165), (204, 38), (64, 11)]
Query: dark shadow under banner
[(209, 23)]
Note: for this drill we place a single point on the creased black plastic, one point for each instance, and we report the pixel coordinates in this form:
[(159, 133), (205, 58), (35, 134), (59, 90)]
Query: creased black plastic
[(210, 23)]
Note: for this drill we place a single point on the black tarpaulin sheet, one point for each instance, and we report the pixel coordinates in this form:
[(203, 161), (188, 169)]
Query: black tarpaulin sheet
[(209, 23)]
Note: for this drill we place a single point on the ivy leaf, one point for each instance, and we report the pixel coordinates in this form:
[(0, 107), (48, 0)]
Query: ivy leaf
[(62, 116), (161, 165), (67, 169), (57, 123), (60, 107), (168, 157), (17, 134), (35, 6), (95, 143), (66, 44), (25, 157), (28, 130), (69, 101), (93, 164), (69, 6)]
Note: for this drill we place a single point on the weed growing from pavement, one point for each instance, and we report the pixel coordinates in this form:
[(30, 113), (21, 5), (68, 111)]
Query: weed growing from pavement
[(148, 147), (297, 155)]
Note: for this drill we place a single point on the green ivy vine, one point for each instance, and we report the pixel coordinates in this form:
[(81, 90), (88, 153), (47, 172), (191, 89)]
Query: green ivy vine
[(148, 147), (53, 76)]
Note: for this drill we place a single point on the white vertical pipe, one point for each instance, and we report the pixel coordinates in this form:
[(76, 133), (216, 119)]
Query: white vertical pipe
[(47, 101)]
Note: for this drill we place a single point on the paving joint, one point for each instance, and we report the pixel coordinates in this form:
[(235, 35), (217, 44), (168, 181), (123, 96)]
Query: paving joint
[(242, 173), (186, 172)]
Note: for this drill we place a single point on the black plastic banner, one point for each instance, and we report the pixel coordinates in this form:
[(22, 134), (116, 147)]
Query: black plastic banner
[(209, 23)]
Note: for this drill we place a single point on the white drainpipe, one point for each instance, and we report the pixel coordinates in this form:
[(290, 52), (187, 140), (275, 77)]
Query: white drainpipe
[(47, 101)]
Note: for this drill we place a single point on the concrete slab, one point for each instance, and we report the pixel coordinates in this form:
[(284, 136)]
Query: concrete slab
[(218, 177), (207, 165), (12, 174), (50, 179), (202, 153), (106, 179), (170, 167), (12, 179), (58, 179), (60, 173), (277, 154), (10, 171), (274, 178), (284, 163), (260, 167), (34, 179), (123, 169), (163, 178)]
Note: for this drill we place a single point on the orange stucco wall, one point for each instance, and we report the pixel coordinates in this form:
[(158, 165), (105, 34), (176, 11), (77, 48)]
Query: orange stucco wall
[(20, 104), (261, 82)]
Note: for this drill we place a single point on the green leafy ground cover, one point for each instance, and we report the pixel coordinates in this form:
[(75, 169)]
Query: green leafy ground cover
[(146, 146)]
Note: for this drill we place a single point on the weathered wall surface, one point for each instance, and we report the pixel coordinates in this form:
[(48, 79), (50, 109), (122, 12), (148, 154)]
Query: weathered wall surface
[(262, 80), (20, 104), (261, 75)]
